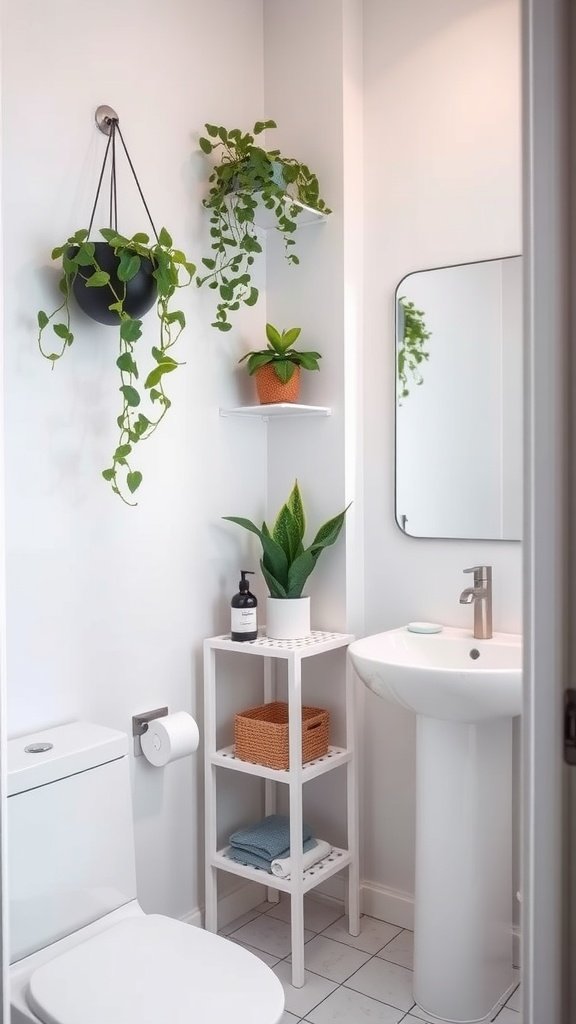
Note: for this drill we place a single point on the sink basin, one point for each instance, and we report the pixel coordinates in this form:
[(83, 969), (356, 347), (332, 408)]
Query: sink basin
[(447, 675), (465, 693)]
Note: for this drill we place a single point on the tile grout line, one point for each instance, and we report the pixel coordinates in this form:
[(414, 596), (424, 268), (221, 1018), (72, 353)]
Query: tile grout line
[(344, 984)]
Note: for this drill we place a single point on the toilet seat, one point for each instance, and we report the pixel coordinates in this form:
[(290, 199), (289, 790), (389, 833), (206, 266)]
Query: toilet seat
[(151, 970)]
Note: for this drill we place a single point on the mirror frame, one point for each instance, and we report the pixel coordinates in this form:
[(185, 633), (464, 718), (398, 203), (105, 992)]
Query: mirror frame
[(411, 536)]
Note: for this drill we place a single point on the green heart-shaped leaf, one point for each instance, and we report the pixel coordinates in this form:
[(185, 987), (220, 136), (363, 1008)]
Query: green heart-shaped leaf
[(134, 480)]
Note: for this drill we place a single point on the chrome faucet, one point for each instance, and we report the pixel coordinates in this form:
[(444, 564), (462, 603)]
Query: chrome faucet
[(481, 596)]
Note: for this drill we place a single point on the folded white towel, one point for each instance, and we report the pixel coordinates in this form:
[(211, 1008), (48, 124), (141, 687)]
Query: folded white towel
[(282, 866)]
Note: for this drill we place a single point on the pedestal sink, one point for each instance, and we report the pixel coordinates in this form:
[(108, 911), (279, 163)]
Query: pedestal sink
[(465, 693)]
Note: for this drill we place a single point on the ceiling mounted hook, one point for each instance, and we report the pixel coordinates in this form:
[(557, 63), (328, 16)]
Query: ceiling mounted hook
[(104, 117)]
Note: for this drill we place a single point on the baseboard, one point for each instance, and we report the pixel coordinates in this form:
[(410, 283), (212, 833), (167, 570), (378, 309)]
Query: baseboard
[(240, 900), (379, 901), (233, 904), (397, 908), (386, 904), (195, 918), (375, 900)]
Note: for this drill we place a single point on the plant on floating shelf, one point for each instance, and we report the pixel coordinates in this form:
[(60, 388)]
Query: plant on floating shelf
[(277, 367), (413, 335), (247, 173), (286, 564), (111, 266)]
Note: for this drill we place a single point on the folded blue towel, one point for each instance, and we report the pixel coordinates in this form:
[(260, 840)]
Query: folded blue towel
[(269, 838), (252, 860)]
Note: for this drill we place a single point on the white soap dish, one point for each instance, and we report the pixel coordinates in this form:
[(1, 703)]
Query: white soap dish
[(424, 627)]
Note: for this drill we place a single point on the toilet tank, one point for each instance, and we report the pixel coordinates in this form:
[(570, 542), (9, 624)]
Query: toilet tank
[(70, 832)]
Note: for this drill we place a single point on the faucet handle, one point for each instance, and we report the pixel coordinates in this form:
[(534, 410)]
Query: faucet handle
[(482, 573)]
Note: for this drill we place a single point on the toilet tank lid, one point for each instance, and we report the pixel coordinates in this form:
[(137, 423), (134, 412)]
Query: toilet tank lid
[(74, 748)]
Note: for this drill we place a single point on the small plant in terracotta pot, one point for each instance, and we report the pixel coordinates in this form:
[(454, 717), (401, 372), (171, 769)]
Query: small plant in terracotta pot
[(277, 367)]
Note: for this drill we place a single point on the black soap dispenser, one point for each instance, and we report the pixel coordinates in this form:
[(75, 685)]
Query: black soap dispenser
[(244, 615)]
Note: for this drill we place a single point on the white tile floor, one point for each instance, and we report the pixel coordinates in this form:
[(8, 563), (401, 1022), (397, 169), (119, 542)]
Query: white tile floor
[(363, 980)]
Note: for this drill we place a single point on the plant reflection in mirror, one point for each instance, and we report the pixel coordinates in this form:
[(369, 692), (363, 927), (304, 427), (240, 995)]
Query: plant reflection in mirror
[(411, 349)]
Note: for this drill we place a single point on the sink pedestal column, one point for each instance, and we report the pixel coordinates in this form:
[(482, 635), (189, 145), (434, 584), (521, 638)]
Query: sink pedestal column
[(463, 918)]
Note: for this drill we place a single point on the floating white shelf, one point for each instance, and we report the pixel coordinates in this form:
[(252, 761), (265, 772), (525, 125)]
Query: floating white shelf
[(266, 219), (336, 861), (226, 758), (278, 409)]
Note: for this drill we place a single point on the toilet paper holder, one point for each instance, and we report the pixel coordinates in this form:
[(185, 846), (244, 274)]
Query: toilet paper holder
[(140, 725)]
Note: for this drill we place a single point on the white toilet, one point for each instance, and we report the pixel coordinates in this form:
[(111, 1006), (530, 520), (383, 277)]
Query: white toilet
[(82, 949)]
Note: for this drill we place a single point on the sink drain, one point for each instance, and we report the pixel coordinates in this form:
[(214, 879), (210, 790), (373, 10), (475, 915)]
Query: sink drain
[(474, 653)]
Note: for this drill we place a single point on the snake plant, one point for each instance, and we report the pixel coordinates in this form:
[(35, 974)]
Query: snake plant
[(286, 564)]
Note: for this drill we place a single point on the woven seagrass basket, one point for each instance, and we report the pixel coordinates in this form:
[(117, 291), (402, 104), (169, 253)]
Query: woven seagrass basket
[(261, 735)]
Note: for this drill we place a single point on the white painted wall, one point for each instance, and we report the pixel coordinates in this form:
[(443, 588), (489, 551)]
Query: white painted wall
[(107, 606), (318, 111), (442, 185)]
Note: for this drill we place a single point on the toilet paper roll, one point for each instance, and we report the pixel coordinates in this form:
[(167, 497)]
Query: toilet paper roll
[(169, 738)]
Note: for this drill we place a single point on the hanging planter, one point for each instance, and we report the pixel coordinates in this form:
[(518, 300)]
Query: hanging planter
[(115, 281), (140, 292)]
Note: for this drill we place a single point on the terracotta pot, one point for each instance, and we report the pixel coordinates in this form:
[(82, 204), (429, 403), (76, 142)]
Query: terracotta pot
[(271, 389)]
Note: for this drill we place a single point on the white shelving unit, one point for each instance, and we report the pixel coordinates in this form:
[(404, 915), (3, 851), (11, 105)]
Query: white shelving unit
[(300, 882), (278, 410)]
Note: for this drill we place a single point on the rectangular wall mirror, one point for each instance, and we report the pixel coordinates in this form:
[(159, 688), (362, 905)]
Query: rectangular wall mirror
[(459, 401)]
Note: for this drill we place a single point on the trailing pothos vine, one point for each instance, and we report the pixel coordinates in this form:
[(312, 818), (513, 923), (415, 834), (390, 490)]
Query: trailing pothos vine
[(171, 270), (246, 175), (411, 352)]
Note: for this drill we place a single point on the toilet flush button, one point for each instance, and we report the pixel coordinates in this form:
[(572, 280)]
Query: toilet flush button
[(38, 748)]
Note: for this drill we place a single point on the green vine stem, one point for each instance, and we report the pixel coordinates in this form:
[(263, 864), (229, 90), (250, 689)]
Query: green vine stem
[(412, 338), (246, 174), (171, 270)]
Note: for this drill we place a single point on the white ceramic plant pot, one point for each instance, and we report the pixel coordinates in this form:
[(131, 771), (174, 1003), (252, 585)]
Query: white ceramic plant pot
[(287, 618)]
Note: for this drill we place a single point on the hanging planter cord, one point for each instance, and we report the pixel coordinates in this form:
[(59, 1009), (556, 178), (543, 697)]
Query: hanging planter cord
[(114, 128)]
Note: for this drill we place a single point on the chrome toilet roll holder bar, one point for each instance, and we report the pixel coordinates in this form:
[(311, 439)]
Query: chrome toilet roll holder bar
[(140, 726)]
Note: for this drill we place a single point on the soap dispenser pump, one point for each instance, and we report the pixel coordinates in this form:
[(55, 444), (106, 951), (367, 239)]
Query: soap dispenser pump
[(244, 616)]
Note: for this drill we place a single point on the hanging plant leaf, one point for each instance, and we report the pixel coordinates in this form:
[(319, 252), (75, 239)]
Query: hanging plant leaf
[(131, 330), (156, 375), (134, 480), (126, 363), (99, 279), (129, 266), (131, 395)]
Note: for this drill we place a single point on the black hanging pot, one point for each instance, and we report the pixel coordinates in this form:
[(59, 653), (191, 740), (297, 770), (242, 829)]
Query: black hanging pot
[(141, 291)]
